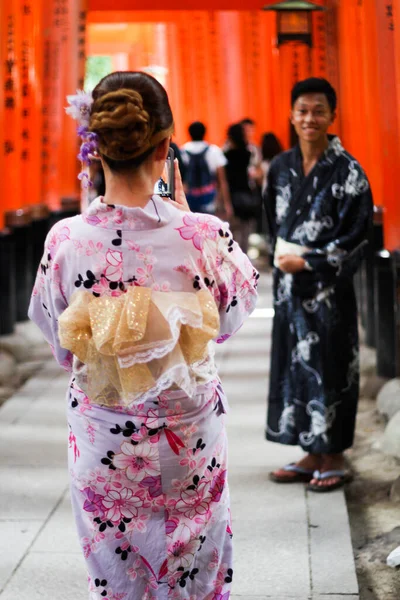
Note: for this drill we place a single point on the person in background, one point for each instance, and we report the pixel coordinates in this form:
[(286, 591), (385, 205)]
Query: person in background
[(270, 147), (244, 201), (205, 181), (319, 206), (255, 171), (131, 294), (249, 129), (178, 156)]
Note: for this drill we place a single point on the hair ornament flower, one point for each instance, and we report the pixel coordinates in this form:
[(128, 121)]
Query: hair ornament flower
[(88, 149), (85, 179), (79, 108)]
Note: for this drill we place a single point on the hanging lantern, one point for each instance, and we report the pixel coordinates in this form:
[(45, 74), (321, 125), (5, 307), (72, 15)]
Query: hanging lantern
[(294, 5), (294, 20)]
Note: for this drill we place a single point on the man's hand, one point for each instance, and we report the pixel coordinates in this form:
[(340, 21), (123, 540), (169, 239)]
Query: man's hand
[(290, 263)]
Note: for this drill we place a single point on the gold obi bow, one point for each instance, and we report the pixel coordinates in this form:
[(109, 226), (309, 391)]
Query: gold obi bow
[(138, 344)]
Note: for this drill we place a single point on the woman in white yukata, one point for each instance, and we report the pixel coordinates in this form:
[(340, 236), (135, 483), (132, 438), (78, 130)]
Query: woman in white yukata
[(130, 295)]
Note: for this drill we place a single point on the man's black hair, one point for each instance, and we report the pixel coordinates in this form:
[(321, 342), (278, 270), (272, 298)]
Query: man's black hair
[(315, 85), (197, 131), (247, 121)]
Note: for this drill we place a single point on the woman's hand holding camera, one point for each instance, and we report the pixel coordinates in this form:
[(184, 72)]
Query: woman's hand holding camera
[(180, 197)]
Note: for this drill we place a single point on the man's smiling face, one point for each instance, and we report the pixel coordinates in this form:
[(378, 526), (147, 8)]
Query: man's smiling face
[(312, 116)]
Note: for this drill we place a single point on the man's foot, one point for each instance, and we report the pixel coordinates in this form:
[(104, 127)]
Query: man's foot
[(329, 481), (302, 471), (331, 475)]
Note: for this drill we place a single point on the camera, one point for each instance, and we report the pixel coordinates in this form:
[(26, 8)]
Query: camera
[(165, 186)]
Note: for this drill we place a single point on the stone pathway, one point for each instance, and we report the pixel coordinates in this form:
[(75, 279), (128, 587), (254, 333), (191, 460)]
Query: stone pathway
[(289, 545)]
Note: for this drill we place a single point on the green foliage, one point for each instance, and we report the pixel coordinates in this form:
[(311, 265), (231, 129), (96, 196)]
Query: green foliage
[(97, 67)]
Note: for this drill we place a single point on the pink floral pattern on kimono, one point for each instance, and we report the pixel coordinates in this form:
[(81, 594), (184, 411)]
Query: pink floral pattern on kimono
[(149, 481), (198, 228)]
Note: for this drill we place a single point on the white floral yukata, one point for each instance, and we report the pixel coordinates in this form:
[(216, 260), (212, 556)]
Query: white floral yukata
[(147, 439)]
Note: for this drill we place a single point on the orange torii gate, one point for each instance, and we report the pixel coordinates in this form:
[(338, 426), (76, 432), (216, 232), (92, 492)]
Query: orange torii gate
[(42, 54), (220, 63), (40, 59), (223, 64)]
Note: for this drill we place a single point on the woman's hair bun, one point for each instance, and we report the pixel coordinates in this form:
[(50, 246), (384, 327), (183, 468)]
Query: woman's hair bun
[(123, 126), (130, 115)]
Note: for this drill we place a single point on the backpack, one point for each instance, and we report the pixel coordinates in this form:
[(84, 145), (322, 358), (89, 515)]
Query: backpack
[(200, 182)]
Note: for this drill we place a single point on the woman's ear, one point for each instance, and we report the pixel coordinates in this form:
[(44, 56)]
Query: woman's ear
[(162, 149)]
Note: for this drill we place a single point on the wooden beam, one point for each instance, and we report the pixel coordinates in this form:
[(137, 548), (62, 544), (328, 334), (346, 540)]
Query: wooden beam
[(132, 16), (128, 5)]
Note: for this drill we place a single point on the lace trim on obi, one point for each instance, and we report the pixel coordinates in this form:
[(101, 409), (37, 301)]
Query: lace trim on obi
[(135, 346)]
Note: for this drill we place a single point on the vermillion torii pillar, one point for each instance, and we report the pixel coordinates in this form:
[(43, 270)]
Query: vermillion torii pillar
[(389, 120), (53, 66), (10, 41), (74, 40), (31, 60)]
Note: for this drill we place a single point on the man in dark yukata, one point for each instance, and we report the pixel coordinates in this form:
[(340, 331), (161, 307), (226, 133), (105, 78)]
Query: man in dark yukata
[(319, 208)]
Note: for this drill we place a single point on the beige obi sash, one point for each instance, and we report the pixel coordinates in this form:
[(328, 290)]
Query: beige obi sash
[(134, 346)]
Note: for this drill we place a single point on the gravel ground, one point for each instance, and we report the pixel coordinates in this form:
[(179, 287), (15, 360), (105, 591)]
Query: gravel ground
[(374, 517)]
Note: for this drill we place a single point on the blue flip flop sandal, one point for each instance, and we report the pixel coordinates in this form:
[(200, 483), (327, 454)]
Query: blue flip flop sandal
[(344, 477), (302, 475)]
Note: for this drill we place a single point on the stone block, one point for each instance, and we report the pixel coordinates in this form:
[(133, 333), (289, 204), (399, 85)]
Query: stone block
[(28, 369), (43, 352), (61, 520), (35, 386), (269, 502), (15, 539), (371, 385), (47, 411), (17, 345), (246, 368), (18, 406), (391, 437), (367, 360), (388, 401), (31, 494), (257, 347), (5, 393), (273, 558), (245, 390), (395, 491), (31, 332), (57, 577), (332, 561), (273, 597), (337, 597), (22, 445), (8, 369)]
